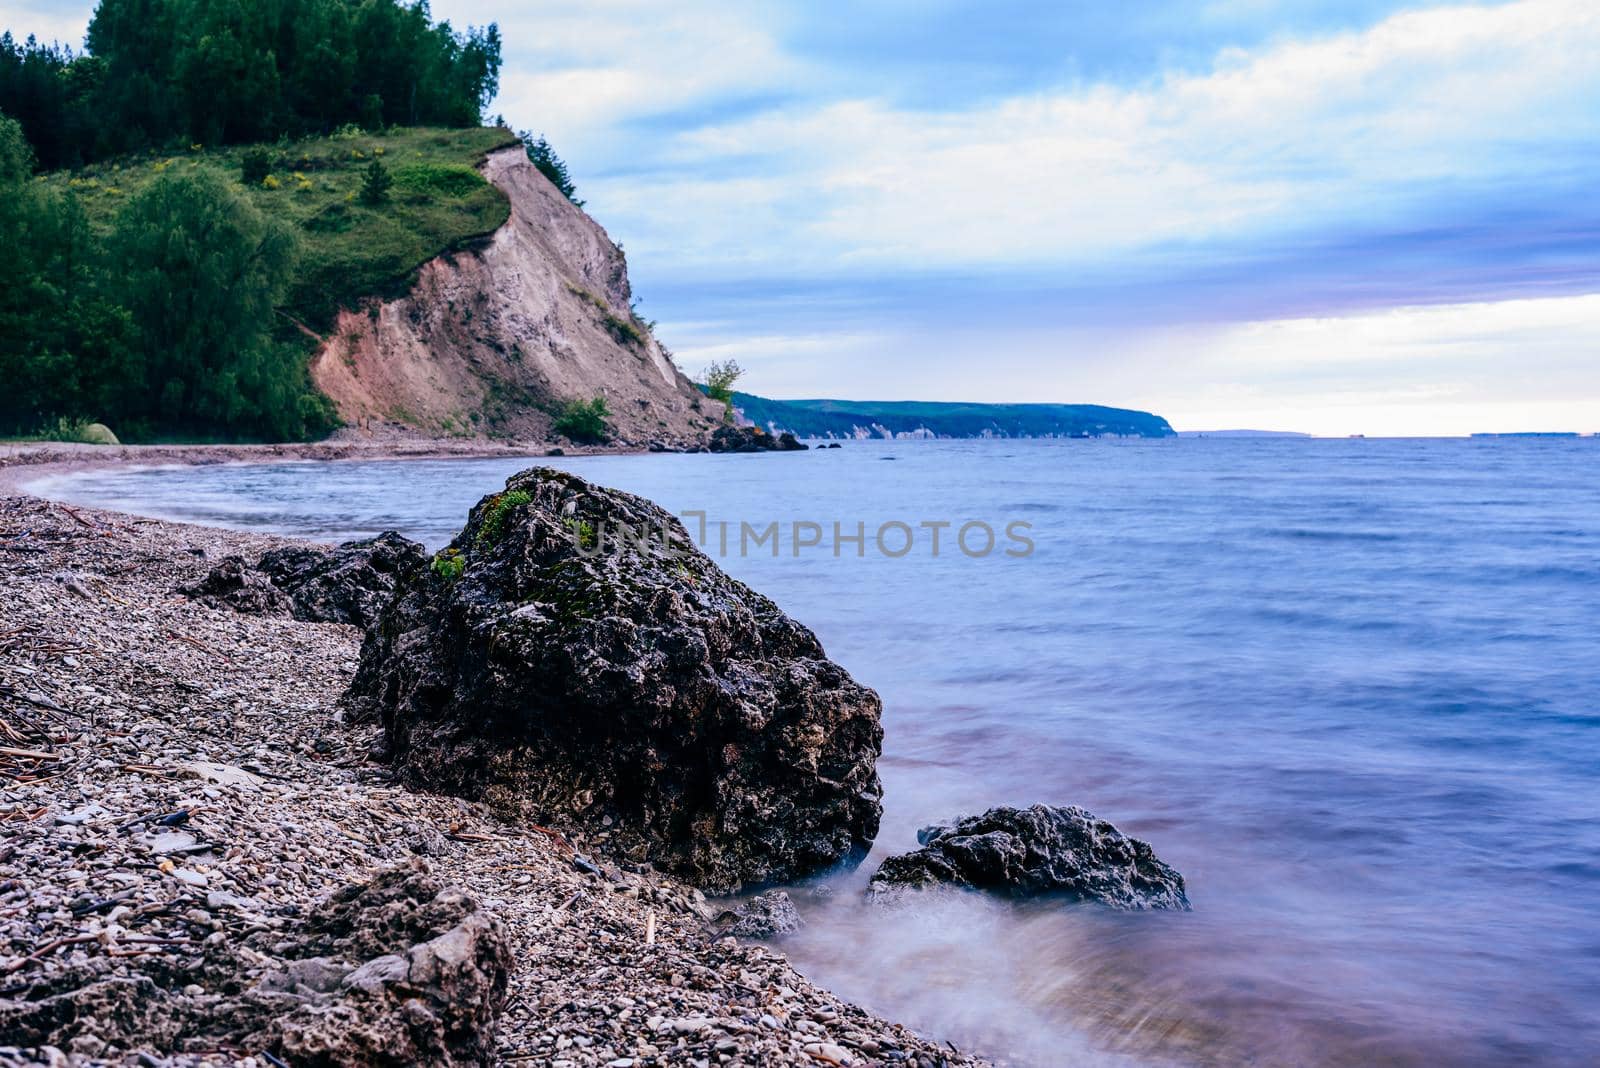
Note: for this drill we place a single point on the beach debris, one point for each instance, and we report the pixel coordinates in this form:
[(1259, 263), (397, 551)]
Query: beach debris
[(398, 969), (1028, 852), (586, 665)]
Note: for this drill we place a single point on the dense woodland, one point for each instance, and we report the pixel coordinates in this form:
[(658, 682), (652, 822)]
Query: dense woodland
[(214, 72), (148, 289)]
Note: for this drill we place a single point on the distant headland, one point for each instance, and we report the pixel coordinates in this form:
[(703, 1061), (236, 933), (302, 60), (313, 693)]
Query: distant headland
[(947, 419)]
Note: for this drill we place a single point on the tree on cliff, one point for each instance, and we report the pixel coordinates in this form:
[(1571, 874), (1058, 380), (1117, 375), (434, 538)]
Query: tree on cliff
[(719, 379), (550, 165)]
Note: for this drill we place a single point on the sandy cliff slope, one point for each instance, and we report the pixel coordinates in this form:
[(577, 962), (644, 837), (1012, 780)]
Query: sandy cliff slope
[(488, 342)]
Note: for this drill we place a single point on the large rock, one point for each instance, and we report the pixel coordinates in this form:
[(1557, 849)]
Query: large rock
[(564, 672), (1024, 852), (752, 439), (395, 970), (349, 584)]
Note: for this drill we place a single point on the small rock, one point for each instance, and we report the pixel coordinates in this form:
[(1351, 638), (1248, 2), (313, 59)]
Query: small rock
[(768, 915), (222, 774), (1039, 850)]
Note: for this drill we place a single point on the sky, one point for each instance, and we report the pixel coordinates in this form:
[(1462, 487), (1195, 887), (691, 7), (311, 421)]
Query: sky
[(1377, 216)]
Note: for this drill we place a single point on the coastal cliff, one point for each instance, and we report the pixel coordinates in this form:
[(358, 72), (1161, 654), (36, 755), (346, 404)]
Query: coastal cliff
[(492, 341)]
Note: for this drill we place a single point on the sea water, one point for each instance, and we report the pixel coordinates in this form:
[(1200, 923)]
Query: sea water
[(1351, 689)]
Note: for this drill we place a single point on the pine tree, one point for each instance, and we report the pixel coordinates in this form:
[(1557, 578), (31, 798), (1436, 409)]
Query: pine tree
[(550, 165), (375, 186)]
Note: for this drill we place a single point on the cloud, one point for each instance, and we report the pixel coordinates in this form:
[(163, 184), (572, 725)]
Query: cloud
[(582, 72), (49, 22), (1428, 370), (1361, 128)]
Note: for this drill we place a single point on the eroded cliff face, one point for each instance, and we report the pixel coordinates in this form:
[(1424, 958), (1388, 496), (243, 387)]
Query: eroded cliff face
[(490, 342)]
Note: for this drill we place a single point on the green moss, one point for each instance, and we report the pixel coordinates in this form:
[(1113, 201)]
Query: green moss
[(493, 527), (449, 565), (584, 531)]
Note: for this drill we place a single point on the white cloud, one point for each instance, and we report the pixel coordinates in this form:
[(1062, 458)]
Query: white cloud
[(49, 23), (577, 71), (1356, 125), (1448, 369)]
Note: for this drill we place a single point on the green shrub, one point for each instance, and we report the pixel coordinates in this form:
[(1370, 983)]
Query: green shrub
[(627, 331), (438, 179), (493, 527), (583, 531), (583, 421), (719, 380), (449, 565), (254, 166)]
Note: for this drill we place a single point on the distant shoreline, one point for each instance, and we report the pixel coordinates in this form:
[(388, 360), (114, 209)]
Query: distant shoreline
[(30, 461)]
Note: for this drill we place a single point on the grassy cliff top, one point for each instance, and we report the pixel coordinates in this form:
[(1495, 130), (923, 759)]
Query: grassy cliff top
[(349, 249)]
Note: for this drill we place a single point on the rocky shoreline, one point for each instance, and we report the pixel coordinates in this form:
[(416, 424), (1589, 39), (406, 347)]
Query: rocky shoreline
[(179, 794)]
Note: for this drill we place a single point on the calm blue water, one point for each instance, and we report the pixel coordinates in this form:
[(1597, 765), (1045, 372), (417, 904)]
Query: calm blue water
[(1350, 688)]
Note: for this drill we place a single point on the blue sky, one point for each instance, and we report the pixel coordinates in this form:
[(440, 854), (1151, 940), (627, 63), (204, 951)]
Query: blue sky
[(1368, 217)]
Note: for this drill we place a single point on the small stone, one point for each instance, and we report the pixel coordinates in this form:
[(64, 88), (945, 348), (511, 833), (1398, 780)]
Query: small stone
[(830, 1053), (768, 915)]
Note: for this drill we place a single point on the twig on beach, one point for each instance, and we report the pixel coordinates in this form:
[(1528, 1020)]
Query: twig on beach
[(555, 836), (45, 950), (75, 514), (19, 816), (27, 754), (471, 836), (198, 644)]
